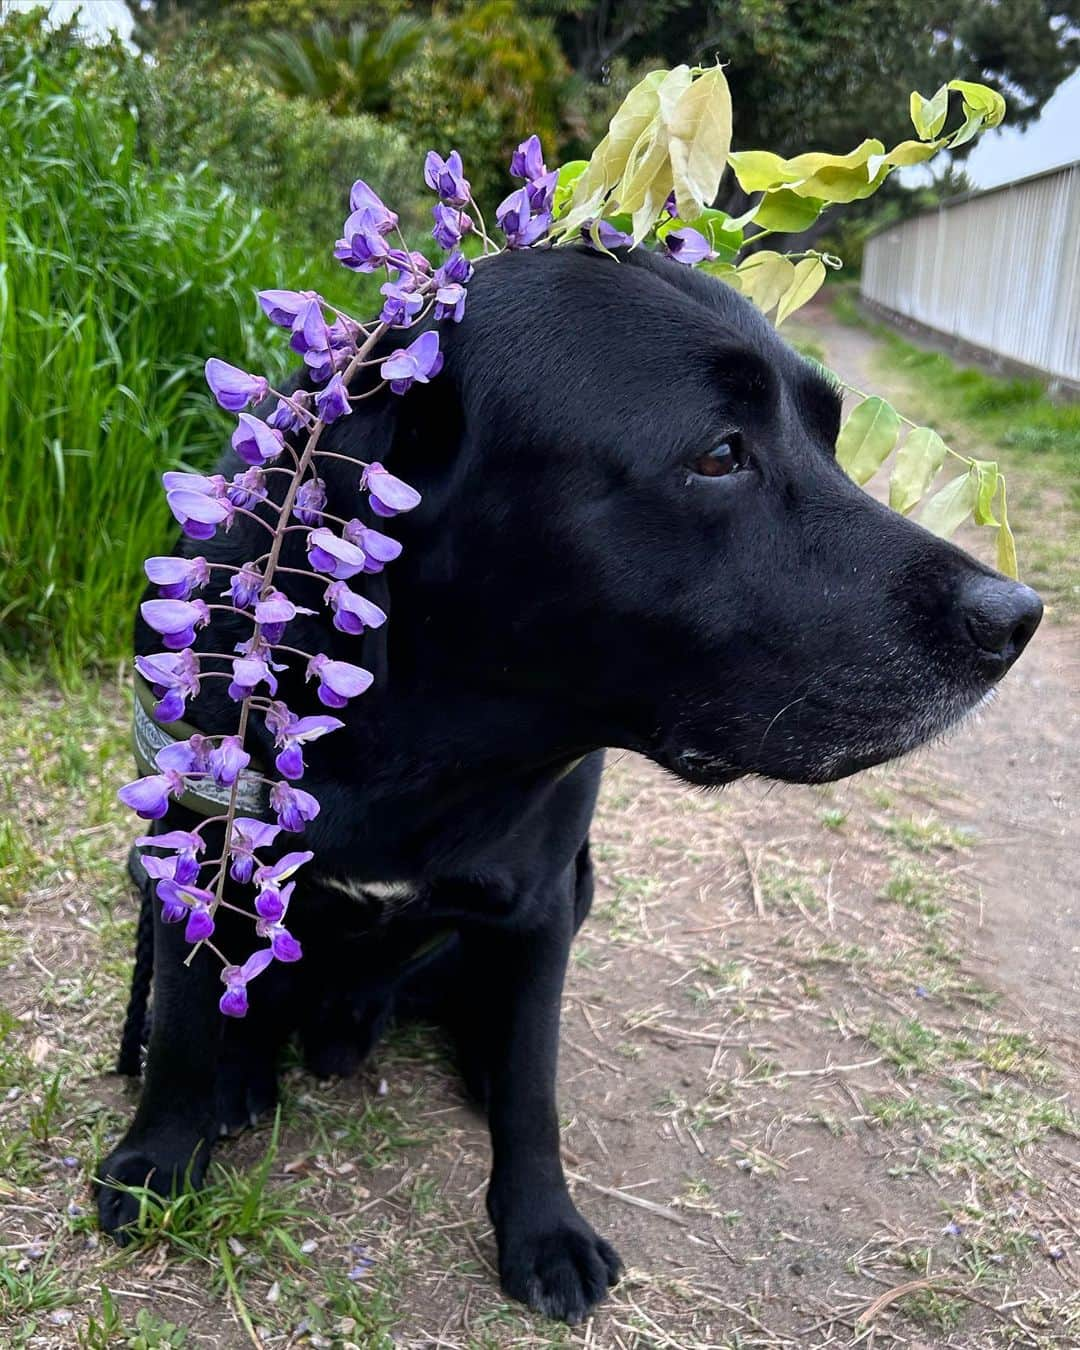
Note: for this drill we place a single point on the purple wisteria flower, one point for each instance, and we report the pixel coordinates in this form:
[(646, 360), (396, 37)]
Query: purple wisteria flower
[(447, 178), (292, 806), (450, 225), (282, 307), (234, 1001), (339, 681), (149, 797), (389, 496), (248, 488), (273, 611), (245, 586), (228, 761), (607, 235), (527, 160), (255, 442), (378, 549), (174, 678), (362, 247), (688, 246), (248, 673), (199, 513), (449, 281), (175, 620), (272, 902), (333, 401), (183, 757), (336, 557), (352, 613), (248, 835), (310, 501), (419, 361), (519, 222), (183, 865), (403, 302), (177, 578), (364, 198), (287, 417), (234, 388), (295, 734)]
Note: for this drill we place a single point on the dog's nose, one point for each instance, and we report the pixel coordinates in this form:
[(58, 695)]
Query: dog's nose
[(1001, 615)]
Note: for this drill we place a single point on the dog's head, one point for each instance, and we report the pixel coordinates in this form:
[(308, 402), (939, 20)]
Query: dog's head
[(633, 510)]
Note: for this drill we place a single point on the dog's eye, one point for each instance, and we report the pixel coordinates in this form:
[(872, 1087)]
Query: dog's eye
[(726, 458)]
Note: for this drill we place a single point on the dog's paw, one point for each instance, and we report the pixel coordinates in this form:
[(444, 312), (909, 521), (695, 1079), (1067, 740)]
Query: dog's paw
[(118, 1210), (562, 1270)]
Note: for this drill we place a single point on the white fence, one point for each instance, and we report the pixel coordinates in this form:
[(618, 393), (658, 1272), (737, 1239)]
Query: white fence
[(999, 270)]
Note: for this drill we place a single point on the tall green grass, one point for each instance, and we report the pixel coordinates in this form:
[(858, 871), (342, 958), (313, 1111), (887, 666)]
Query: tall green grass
[(115, 283)]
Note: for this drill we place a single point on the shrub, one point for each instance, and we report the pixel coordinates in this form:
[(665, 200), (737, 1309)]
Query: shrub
[(115, 280)]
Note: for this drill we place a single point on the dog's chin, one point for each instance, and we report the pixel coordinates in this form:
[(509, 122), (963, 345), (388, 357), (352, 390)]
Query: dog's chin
[(826, 759)]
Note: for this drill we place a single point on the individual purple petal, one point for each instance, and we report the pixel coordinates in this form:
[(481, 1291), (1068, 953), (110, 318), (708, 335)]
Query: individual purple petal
[(282, 307), (456, 268), (527, 160), (282, 943), (419, 361), (287, 417), (310, 501), (248, 835), (364, 198), (271, 903), (245, 585), (293, 806), (333, 401), (248, 488), (234, 1001), (284, 867), (175, 620), (688, 246), (388, 495), (176, 578), (339, 681), (334, 556), (190, 840), (199, 515), (310, 332), (188, 756), (200, 924), (234, 389), (212, 485), (291, 737), (174, 677), (402, 302), (378, 549), (255, 442), (446, 177), (228, 761), (606, 235), (362, 246), (352, 612), (149, 797), (274, 611), (450, 225), (450, 302), (541, 193), (518, 221), (174, 907), (248, 674)]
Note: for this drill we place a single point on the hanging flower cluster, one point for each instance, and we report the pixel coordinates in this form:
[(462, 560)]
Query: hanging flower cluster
[(334, 347)]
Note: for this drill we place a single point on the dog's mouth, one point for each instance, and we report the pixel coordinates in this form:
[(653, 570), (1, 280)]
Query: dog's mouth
[(820, 749)]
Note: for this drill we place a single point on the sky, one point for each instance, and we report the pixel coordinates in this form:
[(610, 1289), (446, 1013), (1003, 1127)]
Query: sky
[(999, 156)]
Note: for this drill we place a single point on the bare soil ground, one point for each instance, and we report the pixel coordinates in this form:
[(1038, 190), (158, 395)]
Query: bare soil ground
[(818, 1051)]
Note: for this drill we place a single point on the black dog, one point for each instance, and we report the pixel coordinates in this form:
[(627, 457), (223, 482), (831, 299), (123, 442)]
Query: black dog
[(633, 533)]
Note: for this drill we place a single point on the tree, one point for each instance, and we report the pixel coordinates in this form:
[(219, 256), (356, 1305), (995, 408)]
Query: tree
[(824, 74)]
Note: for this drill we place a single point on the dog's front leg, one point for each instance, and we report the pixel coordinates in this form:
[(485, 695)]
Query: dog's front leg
[(549, 1257), (169, 1140)]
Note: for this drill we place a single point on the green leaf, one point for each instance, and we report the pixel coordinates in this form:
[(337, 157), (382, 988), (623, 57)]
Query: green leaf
[(647, 179), (928, 114), (917, 463), (569, 174), (809, 275), (952, 505), (982, 99), (765, 277), (760, 170), (867, 438), (987, 472), (1006, 544), (911, 152), (786, 212), (700, 134)]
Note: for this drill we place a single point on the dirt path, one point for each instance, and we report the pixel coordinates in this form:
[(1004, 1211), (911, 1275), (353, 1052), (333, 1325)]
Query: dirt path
[(818, 1050)]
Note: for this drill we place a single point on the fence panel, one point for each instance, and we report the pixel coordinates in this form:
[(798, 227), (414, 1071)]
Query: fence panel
[(999, 270)]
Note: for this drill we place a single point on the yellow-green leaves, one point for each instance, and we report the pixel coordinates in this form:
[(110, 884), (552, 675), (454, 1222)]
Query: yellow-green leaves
[(928, 114), (805, 284), (764, 277), (917, 463), (832, 178), (700, 134), (948, 509), (867, 438), (983, 107), (786, 212), (672, 132)]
